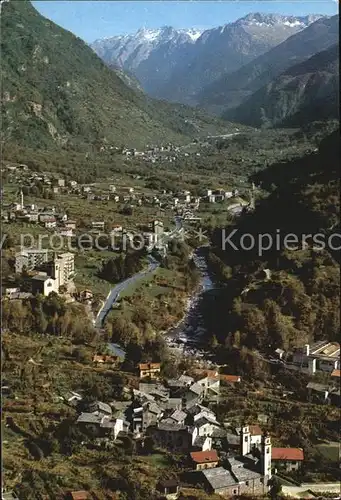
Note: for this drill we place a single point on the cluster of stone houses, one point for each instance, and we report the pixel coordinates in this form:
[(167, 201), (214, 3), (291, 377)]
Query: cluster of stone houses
[(219, 195), (154, 154), (101, 420), (47, 217), (173, 415), (326, 393)]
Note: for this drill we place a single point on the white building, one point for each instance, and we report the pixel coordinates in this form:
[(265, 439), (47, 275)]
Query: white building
[(30, 259)]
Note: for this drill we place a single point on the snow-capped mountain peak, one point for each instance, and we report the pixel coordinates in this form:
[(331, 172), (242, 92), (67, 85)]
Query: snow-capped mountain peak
[(259, 19), (194, 34), (160, 58), (148, 34)]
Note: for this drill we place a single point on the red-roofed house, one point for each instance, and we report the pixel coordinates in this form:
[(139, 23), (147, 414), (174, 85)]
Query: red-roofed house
[(104, 359), (149, 370), (290, 458), (230, 379), (335, 373), (204, 459), (78, 495)]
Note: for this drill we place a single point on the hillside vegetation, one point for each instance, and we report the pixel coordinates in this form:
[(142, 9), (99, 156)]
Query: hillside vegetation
[(305, 92), (297, 300), (57, 92), (232, 89)]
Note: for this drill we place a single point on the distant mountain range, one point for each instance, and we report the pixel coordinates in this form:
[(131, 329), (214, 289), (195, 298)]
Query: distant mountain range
[(306, 91), (177, 64), (232, 88), (57, 92)]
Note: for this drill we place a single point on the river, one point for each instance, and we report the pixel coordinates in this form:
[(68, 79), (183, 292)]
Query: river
[(187, 334)]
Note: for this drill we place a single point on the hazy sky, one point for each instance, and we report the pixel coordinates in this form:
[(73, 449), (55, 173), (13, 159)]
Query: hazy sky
[(98, 19)]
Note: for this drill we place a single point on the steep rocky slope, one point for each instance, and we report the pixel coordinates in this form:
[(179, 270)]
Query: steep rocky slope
[(176, 64), (57, 91), (305, 92), (232, 89)]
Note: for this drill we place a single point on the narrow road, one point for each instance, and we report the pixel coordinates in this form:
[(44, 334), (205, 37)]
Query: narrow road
[(115, 292)]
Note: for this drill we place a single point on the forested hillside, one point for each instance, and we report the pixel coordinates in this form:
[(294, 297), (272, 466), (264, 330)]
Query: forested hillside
[(57, 92), (305, 92), (296, 300), (232, 89)]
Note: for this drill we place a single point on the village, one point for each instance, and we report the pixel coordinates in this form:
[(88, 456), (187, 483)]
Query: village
[(150, 213), (157, 413), (34, 184)]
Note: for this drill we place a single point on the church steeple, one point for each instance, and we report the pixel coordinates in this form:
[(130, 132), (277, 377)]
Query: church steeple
[(245, 439), (266, 457), (21, 199)]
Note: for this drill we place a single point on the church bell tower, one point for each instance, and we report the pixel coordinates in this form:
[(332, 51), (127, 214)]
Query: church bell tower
[(266, 457), (245, 440)]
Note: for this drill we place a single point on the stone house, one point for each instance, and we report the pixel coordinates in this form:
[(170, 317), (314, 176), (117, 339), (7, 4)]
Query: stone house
[(150, 370), (206, 425), (169, 489), (288, 458), (204, 459), (175, 437), (194, 394)]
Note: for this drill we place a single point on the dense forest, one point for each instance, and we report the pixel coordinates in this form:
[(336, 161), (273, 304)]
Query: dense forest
[(286, 295)]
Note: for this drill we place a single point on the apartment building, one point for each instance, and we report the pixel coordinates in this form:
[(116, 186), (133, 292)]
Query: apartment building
[(30, 259)]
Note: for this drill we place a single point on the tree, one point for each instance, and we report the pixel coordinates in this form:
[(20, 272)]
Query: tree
[(82, 355), (275, 488), (214, 342)]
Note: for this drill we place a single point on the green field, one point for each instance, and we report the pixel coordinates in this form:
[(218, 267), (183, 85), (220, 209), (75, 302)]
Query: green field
[(330, 451)]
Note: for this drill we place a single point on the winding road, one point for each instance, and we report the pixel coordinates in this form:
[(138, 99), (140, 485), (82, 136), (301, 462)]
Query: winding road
[(115, 292)]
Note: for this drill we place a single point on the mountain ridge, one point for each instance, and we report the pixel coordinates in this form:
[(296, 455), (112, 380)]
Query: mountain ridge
[(56, 92), (232, 88), (305, 91), (171, 65)]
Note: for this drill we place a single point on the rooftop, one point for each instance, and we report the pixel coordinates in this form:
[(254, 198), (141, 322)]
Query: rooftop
[(325, 350), (244, 474), (89, 418), (168, 483), (335, 373), (293, 454), (196, 388), (165, 426), (206, 419), (149, 366), (152, 388), (201, 457), (104, 407), (255, 430), (171, 403), (178, 415), (219, 478), (318, 387), (207, 373), (40, 277), (230, 378), (79, 495)]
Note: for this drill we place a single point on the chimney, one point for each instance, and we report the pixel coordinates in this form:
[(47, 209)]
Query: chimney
[(307, 349)]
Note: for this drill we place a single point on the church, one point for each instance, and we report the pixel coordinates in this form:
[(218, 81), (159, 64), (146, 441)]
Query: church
[(249, 472)]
